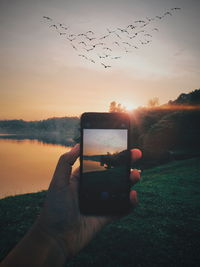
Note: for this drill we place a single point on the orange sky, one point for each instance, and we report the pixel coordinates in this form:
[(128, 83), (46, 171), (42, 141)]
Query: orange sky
[(101, 141), (41, 76)]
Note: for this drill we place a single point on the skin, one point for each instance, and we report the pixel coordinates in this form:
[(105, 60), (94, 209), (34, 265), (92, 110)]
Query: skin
[(60, 231)]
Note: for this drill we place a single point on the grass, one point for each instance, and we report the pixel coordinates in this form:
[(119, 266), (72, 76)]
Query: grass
[(164, 230)]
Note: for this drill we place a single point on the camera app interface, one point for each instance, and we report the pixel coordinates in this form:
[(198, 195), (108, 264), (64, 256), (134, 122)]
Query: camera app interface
[(105, 163)]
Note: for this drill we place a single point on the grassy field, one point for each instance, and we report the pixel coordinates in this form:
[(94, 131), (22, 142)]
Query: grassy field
[(164, 230)]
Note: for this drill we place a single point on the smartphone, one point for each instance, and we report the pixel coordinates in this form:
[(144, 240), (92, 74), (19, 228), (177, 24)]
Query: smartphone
[(104, 164)]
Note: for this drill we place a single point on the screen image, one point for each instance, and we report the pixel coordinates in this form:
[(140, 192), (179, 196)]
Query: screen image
[(105, 161)]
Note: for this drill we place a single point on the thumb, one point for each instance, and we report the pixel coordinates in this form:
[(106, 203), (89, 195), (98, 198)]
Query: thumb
[(64, 167)]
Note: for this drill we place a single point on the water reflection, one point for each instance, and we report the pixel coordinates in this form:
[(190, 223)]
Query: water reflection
[(27, 165), (45, 139)]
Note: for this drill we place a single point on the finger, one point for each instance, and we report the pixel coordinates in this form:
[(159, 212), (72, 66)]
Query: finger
[(136, 154), (133, 198), (63, 169), (135, 176)]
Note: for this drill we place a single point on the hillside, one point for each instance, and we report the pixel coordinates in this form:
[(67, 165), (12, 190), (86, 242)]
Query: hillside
[(164, 230)]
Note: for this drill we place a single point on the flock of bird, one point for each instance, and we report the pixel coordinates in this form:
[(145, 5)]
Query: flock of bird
[(114, 43)]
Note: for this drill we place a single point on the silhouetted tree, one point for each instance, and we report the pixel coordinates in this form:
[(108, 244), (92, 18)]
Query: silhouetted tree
[(116, 107), (153, 102)]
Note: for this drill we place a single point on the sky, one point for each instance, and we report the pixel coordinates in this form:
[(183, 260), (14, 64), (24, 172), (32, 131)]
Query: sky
[(42, 76), (101, 141)]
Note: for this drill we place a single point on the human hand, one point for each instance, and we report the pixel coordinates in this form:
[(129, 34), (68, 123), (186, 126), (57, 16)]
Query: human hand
[(61, 219)]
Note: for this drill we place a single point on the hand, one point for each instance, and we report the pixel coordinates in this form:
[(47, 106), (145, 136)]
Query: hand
[(61, 219)]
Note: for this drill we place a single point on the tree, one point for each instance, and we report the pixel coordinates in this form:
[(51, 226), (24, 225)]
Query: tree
[(116, 107), (153, 102)]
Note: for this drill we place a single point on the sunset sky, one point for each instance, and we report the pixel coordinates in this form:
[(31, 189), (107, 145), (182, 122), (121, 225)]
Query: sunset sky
[(42, 76), (101, 141)]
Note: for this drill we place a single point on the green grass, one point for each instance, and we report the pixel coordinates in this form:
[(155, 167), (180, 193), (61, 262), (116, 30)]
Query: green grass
[(164, 230)]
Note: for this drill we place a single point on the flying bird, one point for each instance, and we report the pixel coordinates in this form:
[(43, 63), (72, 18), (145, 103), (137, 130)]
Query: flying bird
[(54, 25), (118, 35), (91, 32), (90, 39), (155, 29), (115, 57), (103, 37), (110, 31), (167, 13), (176, 8), (116, 43), (107, 48), (71, 39), (81, 55), (74, 46), (105, 66), (83, 43), (48, 18), (81, 34), (126, 43), (89, 49)]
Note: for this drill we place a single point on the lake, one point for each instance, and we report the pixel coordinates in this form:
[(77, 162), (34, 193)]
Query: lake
[(91, 166), (27, 166)]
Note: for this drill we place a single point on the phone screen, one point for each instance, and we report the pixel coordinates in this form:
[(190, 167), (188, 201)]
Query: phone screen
[(105, 169)]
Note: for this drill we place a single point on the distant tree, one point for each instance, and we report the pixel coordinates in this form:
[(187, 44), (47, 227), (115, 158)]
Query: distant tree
[(153, 102), (116, 107)]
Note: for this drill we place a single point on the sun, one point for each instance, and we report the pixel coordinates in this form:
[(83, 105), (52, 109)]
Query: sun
[(129, 106)]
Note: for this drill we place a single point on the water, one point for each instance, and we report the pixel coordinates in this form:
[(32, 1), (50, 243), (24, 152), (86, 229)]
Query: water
[(91, 166), (27, 166)]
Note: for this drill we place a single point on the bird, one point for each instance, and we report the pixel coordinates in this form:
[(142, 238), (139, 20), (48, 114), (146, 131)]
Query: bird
[(92, 60), (101, 56), (159, 17), (136, 47), (144, 25), (131, 26), (74, 46), (54, 25), (149, 19), (91, 32), (81, 55), (81, 34), (155, 29), (126, 50), (107, 48), (167, 13), (115, 57), (131, 37), (90, 39), (122, 30), (110, 31), (71, 35), (89, 49), (98, 44), (139, 21), (83, 43), (48, 18), (105, 66), (147, 34), (71, 39), (116, 43), (62, 33), (107, 55), (118, 35), (103, 37), (126, 43), (176, 8)]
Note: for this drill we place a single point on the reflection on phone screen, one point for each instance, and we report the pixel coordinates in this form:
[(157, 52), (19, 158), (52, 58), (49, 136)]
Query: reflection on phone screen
[(105, 164)]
